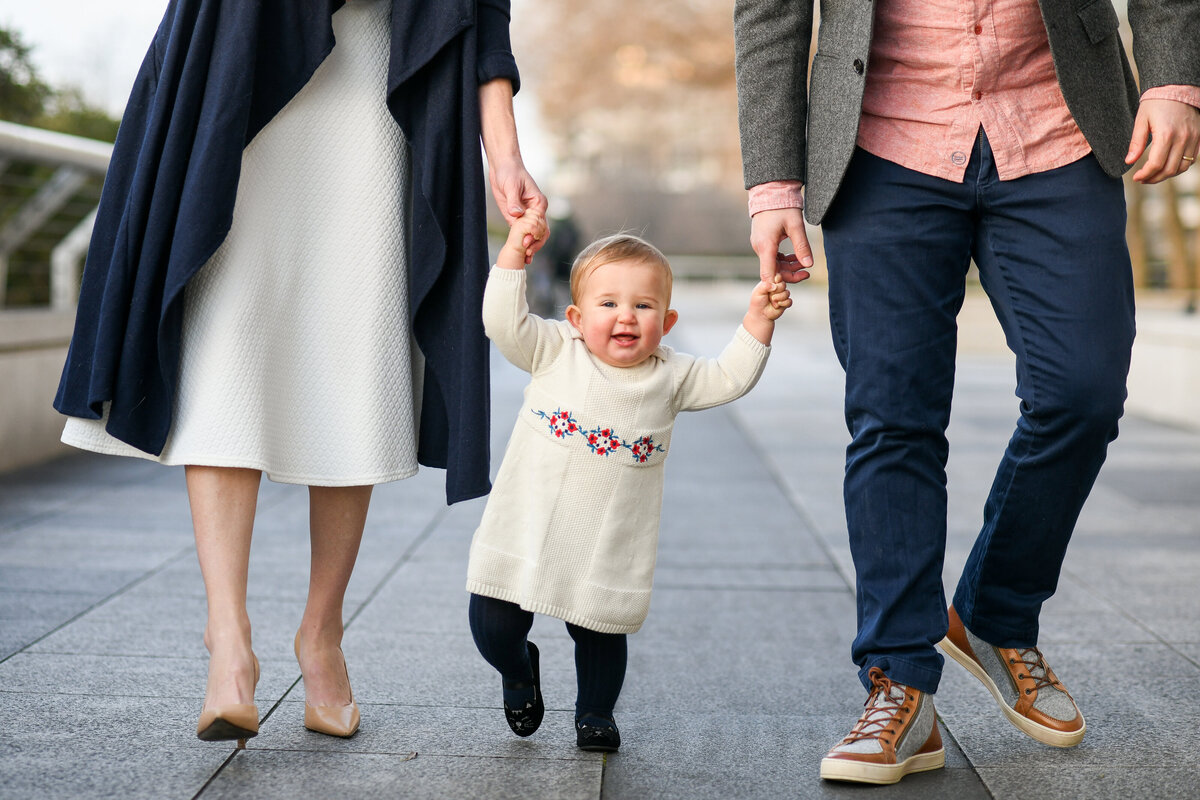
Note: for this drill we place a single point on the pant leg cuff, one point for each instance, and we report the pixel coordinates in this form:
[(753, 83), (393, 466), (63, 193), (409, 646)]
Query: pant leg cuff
[(919, 676)]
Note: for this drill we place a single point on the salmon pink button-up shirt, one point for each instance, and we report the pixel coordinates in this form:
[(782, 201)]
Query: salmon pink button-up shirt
[(942, 69)]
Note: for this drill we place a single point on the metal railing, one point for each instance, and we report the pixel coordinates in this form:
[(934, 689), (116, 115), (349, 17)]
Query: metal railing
[(74, 160)]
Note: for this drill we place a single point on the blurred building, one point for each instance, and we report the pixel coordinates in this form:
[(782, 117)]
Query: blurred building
[(639, 107)]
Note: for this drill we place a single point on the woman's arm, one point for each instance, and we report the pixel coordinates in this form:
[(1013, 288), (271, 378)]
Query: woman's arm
[(512, 185)]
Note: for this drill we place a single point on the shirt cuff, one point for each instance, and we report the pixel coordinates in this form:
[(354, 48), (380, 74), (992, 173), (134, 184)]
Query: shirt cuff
[(776, 194), (1183, 94)]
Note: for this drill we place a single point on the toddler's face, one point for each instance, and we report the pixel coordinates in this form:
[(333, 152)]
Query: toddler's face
[(622, 311)]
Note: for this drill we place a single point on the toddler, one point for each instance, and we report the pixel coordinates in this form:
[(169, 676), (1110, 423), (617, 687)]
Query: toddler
[(571, 527)]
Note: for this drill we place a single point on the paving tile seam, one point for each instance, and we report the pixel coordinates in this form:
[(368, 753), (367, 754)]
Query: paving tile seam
[(404, 558), (412, 754), (949, 734), (790, 494), (66, 502), (216, 772), (1104, 597), (116, 593), (406, 755)]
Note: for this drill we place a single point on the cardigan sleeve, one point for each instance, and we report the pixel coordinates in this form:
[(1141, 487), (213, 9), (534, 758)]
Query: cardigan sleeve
[(705, 382), (525, 339), (494, 58)]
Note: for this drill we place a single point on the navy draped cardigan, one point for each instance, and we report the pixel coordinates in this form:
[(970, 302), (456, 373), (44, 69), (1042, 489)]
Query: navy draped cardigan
[(215, 74)]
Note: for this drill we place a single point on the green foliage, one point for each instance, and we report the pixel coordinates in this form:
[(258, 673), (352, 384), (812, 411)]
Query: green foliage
[(23, 95), (69, 112), (28, 100)]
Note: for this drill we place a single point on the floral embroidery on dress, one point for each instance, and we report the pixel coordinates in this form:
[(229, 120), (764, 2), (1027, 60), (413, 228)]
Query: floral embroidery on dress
[(601, 441), (561, 422)]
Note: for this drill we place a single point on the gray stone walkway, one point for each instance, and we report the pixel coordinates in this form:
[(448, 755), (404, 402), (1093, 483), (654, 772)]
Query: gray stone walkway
[(737, 685)]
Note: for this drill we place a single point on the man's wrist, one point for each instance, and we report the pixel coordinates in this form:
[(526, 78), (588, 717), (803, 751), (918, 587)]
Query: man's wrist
[(775, 195), (1177, 92)]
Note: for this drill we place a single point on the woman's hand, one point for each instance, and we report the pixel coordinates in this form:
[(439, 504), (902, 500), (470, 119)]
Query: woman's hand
[(514, 189), (512, 185)]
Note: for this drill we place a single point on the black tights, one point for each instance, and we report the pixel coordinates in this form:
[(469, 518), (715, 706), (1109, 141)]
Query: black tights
[(500, 629)]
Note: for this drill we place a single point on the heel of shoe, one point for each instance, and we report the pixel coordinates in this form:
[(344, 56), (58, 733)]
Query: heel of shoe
[(340, 721), (230, 722), (237, 721)]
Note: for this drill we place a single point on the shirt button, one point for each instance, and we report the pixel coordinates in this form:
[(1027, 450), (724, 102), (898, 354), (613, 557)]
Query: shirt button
[(858, 66), (978, 29), (978, 95)]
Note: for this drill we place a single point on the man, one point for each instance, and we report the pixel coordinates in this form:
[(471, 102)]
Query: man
[(930, 134)]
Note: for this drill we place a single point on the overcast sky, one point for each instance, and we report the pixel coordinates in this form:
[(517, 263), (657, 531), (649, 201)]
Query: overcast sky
[(96, 45)]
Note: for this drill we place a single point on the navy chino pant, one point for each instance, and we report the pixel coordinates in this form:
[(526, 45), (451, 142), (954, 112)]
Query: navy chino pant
[(1052, 258)]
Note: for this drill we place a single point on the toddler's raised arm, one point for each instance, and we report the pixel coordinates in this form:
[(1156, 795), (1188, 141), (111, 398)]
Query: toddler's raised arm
[(523, 338)]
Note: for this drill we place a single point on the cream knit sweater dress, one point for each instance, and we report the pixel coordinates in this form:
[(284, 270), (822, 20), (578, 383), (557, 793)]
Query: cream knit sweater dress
[(571, 526), (296, 356)]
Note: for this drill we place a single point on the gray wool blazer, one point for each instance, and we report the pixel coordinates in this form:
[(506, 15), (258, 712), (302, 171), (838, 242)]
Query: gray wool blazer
[(800, 127)]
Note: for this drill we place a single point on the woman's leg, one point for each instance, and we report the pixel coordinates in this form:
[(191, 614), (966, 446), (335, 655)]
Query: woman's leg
[(223, 501), (336, 519)]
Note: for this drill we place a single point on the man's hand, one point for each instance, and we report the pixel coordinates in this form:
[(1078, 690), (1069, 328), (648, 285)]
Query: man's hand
[(1173, 130), (767, 230)]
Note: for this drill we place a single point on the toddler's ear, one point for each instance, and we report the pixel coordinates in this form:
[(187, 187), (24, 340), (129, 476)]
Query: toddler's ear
[(575, 317), (669, 321)]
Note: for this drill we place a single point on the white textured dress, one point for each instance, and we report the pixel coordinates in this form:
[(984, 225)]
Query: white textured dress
[(297, 358)]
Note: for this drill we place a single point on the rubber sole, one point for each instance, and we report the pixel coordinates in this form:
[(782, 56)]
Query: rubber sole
[(1033, 730), (844, 769)]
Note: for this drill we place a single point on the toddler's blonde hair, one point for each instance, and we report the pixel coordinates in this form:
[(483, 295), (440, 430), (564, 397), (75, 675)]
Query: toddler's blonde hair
[(618, 247)]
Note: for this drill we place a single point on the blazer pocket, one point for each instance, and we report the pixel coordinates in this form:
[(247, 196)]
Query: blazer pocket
[(1099, 20)]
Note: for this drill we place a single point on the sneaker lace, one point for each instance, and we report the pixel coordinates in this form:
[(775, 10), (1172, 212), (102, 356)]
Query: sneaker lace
[(1036, 670), (881, 708)]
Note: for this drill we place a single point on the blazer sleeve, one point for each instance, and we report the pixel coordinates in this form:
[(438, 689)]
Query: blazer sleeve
[(707, 382), (494, 58), (1166, 42), (772, 40), (525, 339)]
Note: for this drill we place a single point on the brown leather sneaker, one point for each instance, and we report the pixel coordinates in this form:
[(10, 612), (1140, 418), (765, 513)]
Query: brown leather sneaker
[(1027, 690), (896, 734)]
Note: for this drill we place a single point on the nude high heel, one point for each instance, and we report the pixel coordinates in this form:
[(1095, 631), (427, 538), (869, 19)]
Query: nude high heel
[(231, 721), (330, 720)]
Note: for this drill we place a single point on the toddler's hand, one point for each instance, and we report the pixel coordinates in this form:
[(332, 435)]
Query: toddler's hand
[(771, 299), (526, 230)]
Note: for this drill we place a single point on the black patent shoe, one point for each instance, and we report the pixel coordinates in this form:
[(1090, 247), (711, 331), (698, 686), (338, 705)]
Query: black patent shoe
[(600, 738), (526, 720)]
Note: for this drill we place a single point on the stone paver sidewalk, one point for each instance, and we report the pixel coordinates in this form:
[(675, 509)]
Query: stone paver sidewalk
[(737, 685)]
